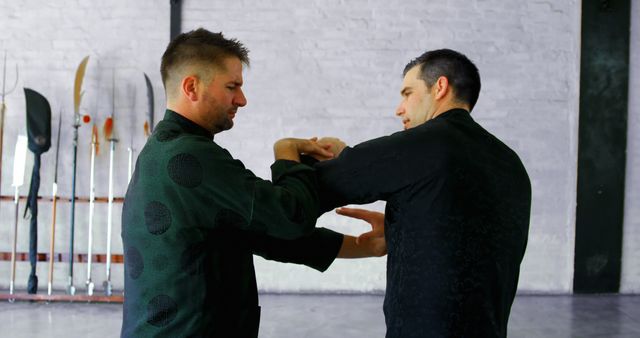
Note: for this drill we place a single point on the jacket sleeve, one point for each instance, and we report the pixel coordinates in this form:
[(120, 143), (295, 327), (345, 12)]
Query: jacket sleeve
[(231, 195), (317, 250), (365, 173)]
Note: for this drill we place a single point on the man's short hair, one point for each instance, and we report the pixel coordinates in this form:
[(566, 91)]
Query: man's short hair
[(200, 48), (462, 74)]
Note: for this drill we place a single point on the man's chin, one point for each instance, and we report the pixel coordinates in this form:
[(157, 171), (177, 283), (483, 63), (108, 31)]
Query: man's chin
[(220, 127), (228, 124)]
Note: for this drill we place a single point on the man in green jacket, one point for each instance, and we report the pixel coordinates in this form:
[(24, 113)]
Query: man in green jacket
[(194, 216)]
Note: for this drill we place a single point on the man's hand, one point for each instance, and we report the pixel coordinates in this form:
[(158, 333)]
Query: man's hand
[(292, 148), (368, 244), (336, 145)]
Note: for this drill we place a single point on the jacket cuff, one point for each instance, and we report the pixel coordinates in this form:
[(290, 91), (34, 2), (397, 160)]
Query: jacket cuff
[(281, 168)]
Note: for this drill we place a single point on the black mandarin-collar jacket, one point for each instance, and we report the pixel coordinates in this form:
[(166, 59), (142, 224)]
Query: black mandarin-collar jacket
[(457, 220)]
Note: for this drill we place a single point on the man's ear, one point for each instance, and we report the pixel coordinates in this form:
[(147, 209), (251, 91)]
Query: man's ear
[(189, 87), (442, 87)]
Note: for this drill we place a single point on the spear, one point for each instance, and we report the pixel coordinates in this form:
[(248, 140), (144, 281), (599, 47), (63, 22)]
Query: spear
[(77, 97), (54, 190), (3, 107), (95, 148), (108, 134), (19, 161)]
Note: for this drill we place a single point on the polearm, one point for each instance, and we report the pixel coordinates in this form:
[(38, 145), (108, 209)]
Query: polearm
[(108, 134), (148, 124), (3, 107), (39, 142), (54, 191), (92, 199), (77, 97), (19, 161)]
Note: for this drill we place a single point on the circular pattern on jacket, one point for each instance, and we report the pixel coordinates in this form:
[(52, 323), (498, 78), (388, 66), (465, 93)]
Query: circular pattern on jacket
[(134, 262), (161, 310), (185, 170), (157, 217), (228, 217), (191, 259)]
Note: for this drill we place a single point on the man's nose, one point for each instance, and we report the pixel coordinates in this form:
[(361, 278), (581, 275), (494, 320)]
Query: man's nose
[(240, 100), (400, 110)]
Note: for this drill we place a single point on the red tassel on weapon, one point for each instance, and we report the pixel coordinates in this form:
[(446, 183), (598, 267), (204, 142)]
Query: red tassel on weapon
[(108, 128)]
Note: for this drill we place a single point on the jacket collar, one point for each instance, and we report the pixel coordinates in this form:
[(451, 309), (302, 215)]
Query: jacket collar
[(187, 125)]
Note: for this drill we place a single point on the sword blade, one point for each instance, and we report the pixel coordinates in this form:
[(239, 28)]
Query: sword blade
[(150, 102), (77, 87)]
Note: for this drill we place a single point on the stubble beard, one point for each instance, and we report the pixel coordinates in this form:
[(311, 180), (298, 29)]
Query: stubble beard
[(223, 121), (220, 118)]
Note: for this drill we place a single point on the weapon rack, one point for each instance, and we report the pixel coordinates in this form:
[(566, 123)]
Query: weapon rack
[(63, 258)]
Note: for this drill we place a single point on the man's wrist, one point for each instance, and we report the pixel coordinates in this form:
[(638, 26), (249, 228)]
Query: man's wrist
[(286, 149)]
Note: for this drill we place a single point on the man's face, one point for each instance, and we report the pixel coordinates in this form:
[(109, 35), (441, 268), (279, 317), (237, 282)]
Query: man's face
[(417, 103), (223, 96)]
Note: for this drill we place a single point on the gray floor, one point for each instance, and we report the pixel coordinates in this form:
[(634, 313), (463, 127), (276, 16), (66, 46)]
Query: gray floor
[(346, 316)]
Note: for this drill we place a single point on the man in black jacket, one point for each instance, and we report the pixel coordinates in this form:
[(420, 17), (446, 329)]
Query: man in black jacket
[(458, 206)]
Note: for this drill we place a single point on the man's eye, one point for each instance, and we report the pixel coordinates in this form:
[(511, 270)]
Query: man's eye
[(231, 87)]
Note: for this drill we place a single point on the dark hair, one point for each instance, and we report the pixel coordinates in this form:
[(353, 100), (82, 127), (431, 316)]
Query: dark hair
[(462, 74), (200, 46)]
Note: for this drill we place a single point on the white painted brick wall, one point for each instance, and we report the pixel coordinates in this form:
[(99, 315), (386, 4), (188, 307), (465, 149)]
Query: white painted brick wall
[(630, 282), (334, 67), (48, 39), (318, 68)]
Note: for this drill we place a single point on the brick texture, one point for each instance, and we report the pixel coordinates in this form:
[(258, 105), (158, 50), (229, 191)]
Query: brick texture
[(318, 68)]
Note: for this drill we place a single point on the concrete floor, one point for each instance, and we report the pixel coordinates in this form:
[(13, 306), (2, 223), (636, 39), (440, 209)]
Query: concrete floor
[(346, 316)]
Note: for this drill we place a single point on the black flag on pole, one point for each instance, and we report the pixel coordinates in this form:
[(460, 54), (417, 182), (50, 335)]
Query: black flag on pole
[(39, 132)]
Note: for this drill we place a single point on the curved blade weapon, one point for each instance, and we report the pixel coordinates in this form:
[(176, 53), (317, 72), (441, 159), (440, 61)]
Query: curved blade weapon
[(39, 142), (19, 161), (54, 190), (92, 200), (148, 124), (77, 97), (108, 134)]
